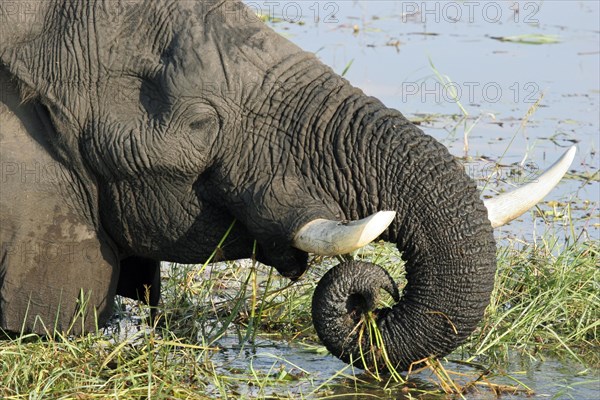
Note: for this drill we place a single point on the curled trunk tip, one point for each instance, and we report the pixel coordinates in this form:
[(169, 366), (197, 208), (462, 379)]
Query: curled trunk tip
[(344, 294)]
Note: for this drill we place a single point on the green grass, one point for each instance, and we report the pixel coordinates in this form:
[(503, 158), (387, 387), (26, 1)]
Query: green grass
[(546, 299), (232, 330)]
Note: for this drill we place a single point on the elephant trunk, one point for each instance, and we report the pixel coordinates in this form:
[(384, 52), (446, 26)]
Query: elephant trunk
[(443, 233)]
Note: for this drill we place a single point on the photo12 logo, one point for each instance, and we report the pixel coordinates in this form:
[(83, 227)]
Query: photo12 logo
[(493, 12), (12, 12), (52, 253), (33, 173), (296, 11), (428, 91), (489, 172)]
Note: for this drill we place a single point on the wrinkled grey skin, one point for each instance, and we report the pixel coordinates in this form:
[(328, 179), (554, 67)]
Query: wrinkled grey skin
[(150, 127), (343, 295)]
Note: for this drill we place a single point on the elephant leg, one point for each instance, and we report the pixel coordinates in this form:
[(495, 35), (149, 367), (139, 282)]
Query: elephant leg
[(58, 268), (47, 284), (139, 279)]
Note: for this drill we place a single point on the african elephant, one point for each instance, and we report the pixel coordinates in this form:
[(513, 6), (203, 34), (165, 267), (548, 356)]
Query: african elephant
[(134, 132)]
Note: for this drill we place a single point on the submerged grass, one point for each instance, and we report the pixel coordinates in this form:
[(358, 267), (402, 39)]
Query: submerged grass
[(534, 38), (210, 338)]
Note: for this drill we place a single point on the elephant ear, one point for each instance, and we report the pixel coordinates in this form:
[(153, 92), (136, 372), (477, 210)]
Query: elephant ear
[(55, 270)]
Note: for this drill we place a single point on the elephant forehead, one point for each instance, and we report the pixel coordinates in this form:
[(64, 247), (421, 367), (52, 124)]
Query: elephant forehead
[(197, 51), (226, 54)]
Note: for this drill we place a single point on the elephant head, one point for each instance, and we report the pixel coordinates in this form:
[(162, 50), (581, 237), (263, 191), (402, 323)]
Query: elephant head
[(169, 120)]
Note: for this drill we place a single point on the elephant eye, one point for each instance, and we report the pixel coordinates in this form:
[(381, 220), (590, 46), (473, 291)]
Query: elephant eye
[(199, 125)]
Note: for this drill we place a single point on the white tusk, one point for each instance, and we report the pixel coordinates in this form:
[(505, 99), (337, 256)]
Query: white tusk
[(506, 207), (330, 238)]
